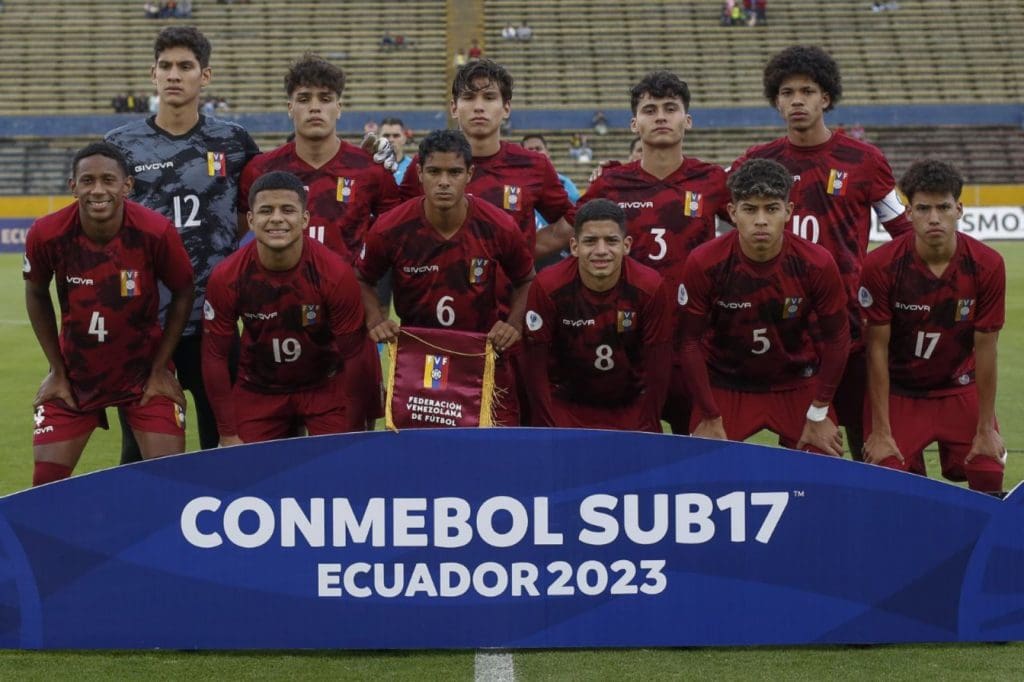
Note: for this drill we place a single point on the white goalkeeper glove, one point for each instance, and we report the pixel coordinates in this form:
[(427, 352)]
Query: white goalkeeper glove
[(381, 151)]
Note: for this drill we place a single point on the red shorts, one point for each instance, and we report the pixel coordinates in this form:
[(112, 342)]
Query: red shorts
[(322, 410), (849, 398), (781, 412), (363, 381), (950, 420), (623, 418), (55, 422)]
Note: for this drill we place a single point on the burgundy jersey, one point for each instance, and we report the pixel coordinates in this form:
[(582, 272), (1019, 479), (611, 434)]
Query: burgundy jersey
[(933, 318), (298, 325), (108, 295), (668, 218), (758, 315), (836, 186), (344, 194), (446, 283), (598, 340), (516, 180)]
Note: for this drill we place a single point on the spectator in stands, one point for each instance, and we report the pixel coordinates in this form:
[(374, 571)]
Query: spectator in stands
[(141, 103), (183, 10), (387, 42), (395, 132), (636, 150), (738, 15), (599, 123), (120, 103), (475, 51), (209, 107), (152, 10), (509, 32), (884, 6), (579, 149), (759, 16), (460, 58), (524, 33)]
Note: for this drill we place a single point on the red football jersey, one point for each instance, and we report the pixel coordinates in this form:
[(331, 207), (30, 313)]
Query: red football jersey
[(598, 341), (515, 180), (836, 186), (298, 325), (344, 194), (108, 296), (668, 218), (446, 283), (933, 319), (758, 316)]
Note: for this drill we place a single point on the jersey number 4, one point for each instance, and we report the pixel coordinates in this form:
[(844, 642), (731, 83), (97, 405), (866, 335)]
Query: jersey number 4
[(97, 327)]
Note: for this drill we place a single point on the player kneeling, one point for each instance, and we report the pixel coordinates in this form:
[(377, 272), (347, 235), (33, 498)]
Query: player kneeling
[(598, 331), (748, 299), (107, 254), (935, 300), (302, 320)]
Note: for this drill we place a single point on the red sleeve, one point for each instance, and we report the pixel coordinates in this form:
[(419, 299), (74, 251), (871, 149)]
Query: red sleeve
[(515, 257), (991, 296), (540, 316), (883, 189), (387, 192), (173, 266), (834, 322), (345, 307), (657, 336), (220, 319), (873, 294), (598, 190), (694, 315), (37, 267), (411, 187), (373, 260), (553, 202)]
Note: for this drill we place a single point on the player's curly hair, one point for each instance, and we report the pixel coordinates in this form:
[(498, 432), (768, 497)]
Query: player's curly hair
[(803, 60), (313, 71), (600, 209), (100, 149), (660, 84), (760, 178), (445, 141), (932, 176), (188, 37), (487, 69), (278, 180)]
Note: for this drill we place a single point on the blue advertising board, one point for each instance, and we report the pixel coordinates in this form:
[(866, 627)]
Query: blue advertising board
[(513, 538)]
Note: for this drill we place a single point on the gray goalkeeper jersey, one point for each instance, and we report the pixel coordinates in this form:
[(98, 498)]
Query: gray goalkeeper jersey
[(192, 179)]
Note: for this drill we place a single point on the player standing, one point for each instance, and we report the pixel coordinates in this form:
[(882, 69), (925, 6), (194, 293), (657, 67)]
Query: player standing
[(748, 299), (935, 302), (838, 181), (446, 251), (670, 200), (599, 331), (187, 166), (302, 320), (107, 255)]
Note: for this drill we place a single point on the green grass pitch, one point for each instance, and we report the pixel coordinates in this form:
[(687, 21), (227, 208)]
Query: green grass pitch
[(24, 366)]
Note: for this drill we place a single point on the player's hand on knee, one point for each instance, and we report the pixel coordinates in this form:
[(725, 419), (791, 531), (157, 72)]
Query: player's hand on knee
[(824, 436), (55, 386), (502, 336), (385, 332), (987, 443), (710, 428), (162, 382), (381, 151), (879, 447), (225, 441)]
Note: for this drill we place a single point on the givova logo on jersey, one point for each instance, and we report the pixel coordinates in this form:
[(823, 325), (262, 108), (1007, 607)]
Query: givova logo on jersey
[(217, 164), (39, 417)]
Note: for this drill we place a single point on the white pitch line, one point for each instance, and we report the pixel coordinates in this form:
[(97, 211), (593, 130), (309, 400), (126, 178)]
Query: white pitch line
[(493, 665)]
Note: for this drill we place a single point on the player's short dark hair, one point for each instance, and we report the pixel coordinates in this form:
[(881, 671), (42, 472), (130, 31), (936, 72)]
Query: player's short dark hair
[(445, 141), (932, 176), (632, 143), (487, 69), (392, 121), (313, 71), (100, 149), (534, 136), (184, 36), (660, 84), (600, 209), (278, 180), (804, 60), (760, 178)]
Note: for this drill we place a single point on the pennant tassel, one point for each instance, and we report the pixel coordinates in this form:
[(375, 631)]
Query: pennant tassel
[(389, 420)]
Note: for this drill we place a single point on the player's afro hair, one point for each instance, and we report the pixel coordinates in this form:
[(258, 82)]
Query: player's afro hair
[(313, 71), (660, 84), (445, 141), (188, 37), (100, 149), (803, 60), (760, 178), (932, 176), (278, 180), (600, 209), (486, 69)]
